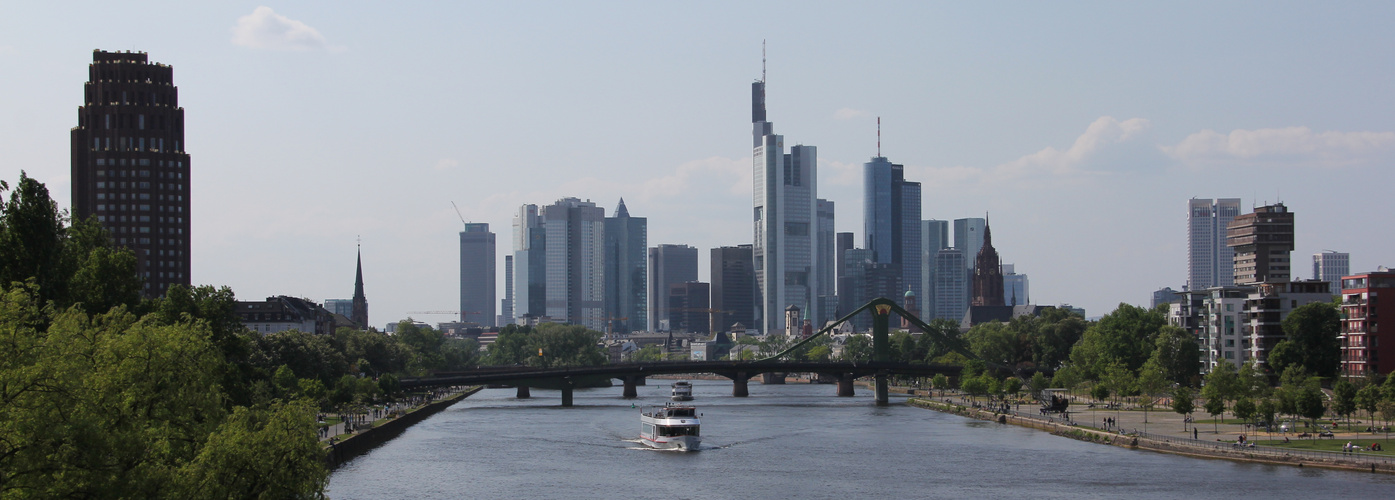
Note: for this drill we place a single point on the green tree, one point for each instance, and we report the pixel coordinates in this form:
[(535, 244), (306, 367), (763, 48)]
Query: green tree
[(1012, 386), (1251, 382), (31, 240), (1100, 392), (819, 353), (1244, 409), (973, 386), (510, 347), (1215, 407), (1265, 411), (1311, 335), (259, 453), (1183, 401), (1309, 404), (1221, 383), (1151, 383), (940, 381), (1367, 398), (1175, 353), (1066, 378), (857, 348), (995, 343), (1121, 381), (1056, 333), (1038, 383), (1344, 399), (1124, 336)]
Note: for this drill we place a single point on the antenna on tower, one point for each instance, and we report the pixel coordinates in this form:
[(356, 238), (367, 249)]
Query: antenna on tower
[(762, 60), (879, 137), (457, 212)]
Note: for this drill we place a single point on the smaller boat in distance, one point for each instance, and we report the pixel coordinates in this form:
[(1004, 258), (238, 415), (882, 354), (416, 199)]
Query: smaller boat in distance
[(682, 391), (670, 427)]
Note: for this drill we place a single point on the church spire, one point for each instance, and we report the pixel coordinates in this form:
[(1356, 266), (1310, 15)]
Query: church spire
[(360, 307)]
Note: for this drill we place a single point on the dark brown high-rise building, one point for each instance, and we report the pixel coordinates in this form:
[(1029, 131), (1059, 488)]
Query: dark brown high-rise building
[(1262, 241), (129, 165), (988, 273)]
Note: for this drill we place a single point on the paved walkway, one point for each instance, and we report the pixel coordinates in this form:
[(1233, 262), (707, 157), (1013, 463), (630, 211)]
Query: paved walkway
[(359, 421)]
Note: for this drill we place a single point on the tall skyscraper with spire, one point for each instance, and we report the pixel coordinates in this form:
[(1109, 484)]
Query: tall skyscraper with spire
[(360, 315), (129, 168), (786, 187)]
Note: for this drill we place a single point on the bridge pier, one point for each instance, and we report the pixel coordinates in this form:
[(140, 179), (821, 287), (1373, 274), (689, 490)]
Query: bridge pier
[(773, 378), (523, 392), (883, 398), (845, 385), (567, 393), (738, 385), (630, 382)]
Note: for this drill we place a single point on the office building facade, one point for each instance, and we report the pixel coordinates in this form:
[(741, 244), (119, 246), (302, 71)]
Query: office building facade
[(891, 219), (626, 271), (733, 287), (129, 166), (477, 268), (784, 250), (1331, 266), (826, 268), (1210, 262), (529, 265), (668, 265), (951, 285), (575, 262)]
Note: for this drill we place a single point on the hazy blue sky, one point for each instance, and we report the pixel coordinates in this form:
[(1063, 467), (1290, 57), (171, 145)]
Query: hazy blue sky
[(1081, 128)]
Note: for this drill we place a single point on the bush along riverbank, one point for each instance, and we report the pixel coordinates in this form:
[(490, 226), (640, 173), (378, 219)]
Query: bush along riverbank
[(1169, 444)]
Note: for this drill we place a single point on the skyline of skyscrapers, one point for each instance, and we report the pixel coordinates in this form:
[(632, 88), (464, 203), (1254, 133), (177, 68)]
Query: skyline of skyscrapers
[(1210, 262), (934, 236), (129, 167), (477, 267)]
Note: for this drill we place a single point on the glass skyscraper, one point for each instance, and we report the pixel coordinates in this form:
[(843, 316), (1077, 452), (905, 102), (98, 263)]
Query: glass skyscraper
[(786, 187)]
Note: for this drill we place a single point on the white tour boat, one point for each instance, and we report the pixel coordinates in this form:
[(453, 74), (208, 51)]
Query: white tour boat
[(670, 427), (682, 391)]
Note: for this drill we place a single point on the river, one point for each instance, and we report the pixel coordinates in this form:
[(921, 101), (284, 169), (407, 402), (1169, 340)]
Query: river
[(787, 441)]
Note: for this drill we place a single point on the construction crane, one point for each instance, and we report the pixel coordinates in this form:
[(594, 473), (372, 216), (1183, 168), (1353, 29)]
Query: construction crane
[(457, 213)]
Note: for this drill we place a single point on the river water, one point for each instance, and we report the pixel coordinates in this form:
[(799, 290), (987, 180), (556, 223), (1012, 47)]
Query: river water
[(787, 441)]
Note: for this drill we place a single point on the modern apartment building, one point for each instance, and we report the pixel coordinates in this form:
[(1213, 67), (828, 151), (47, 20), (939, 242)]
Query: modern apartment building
[(1363, 311), (1267, 306), (129, 166)]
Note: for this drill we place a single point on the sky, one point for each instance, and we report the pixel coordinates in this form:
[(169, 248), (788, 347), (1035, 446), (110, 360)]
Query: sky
[(1080, 128)]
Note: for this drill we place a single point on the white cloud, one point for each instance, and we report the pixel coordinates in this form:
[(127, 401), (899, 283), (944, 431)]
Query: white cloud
[(849, 113), (446, 164), (265, 29), (1084, 158), (1298, 146)]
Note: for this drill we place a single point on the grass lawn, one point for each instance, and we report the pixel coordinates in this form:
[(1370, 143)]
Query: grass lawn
[(1330, 444)]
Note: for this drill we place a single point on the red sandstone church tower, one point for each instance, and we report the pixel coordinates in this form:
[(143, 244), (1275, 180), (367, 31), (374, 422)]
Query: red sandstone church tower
[(988, 273)]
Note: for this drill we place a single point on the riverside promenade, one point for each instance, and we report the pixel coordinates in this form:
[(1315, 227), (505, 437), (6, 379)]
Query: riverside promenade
[(1168, 432)]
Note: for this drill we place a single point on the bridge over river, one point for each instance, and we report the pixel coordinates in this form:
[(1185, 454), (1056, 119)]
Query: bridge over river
[(740, 372)]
